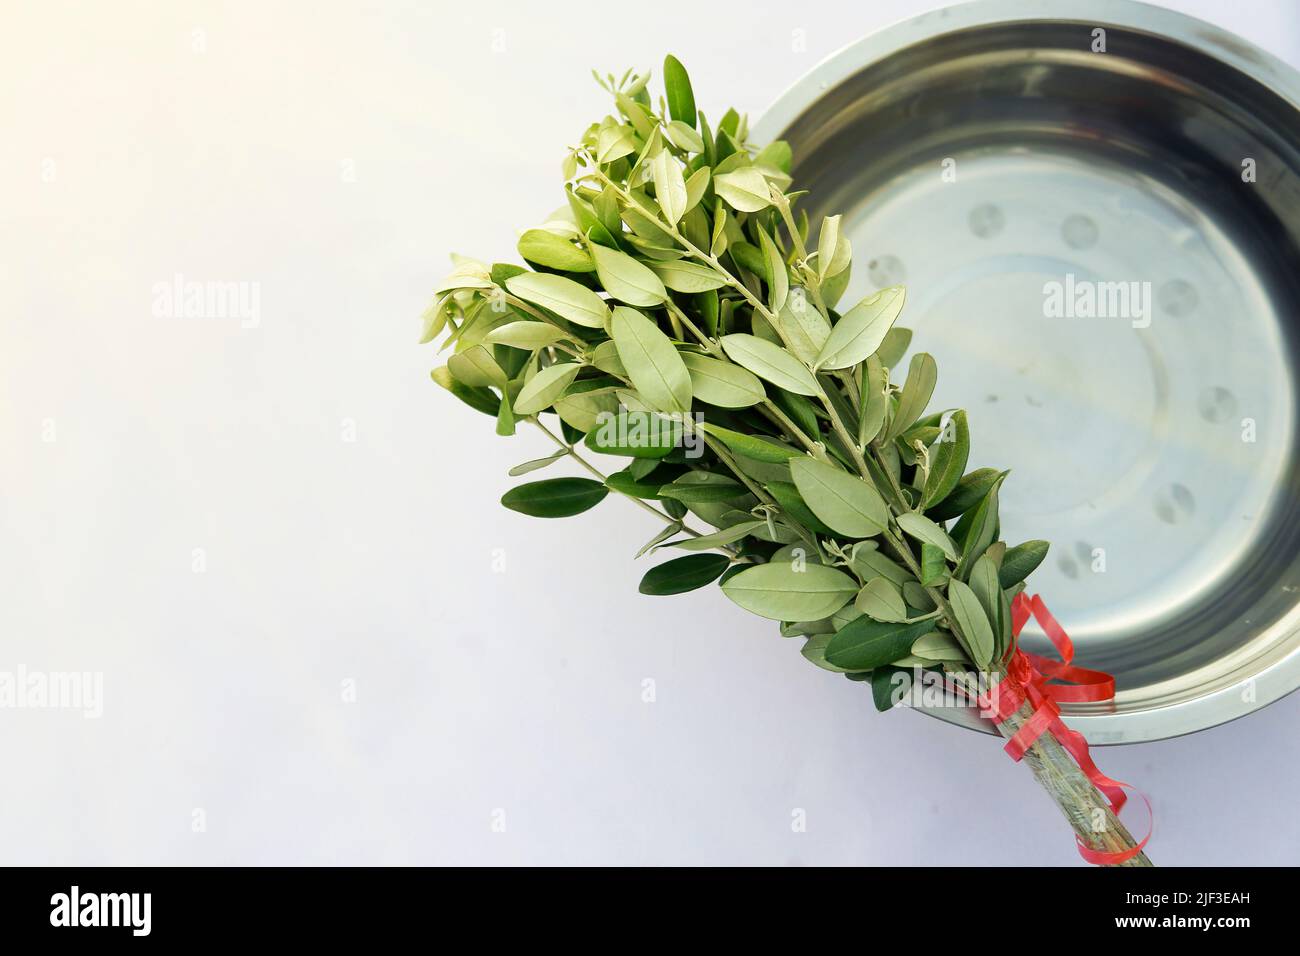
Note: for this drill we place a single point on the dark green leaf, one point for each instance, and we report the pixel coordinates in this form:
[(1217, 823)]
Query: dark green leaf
[(865, 644), (889, 685), (684, 574), (1019, 562), (681, 99), (555, 497), (969, 492)]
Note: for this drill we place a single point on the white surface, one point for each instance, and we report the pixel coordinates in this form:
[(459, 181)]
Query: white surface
[(372, 560)]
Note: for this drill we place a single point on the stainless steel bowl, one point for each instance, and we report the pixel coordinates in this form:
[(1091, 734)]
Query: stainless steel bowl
[(987, 157)]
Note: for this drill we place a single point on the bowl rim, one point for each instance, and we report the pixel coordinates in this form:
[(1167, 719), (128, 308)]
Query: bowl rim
[(1280, 677)]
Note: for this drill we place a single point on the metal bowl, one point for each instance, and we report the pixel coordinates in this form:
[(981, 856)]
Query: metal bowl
[(989, 158)]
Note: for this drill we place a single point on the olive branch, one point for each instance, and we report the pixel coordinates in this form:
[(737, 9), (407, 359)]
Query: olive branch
[(676, 299)]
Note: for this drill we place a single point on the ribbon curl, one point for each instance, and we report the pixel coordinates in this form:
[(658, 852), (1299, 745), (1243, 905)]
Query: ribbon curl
[(1027, 679)]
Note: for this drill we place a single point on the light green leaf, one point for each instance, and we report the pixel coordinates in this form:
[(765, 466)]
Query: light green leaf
[(683, 276), (535, 464), (563, 296), (654, 366), (770, 362), (722, 383), (923, 529), (934, 566), (718, 538), (614, 142), (922, 374), (540, 391), (779, 592), (974, 624), (668, 531), (939, 646), (862, 329), (833, 250), (868, 562), (696, 186), (476, 367), (525, 334), (756, 447), (745, 189), (547, 249), (605, 357), (626, 279), (875, 401), (984, 582), (882, 601), (670, 187), (684, 138), (845, 502), (778, 278), (805, 328)]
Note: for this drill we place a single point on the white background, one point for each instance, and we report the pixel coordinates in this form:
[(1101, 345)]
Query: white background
[(335, 154)]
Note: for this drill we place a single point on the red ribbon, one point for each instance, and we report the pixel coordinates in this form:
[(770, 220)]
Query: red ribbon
[(1027, 679)]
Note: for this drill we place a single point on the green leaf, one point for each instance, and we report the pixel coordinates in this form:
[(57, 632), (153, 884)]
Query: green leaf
[(804, 328), (535, 464), (526, 334), (756, 447), (981, 530), (882, 601), (683, 276), (563, 296), (865, 644), (555, 252), (833, 250), (934, 566), (845, 502), (862, 329), (778, 279), (505, 416), (891, 350), (787, 496), (782, 593), (875, 401), (684, 574), (696, 187), (626, 279), (922, 374), (745, 189), (972, 620), (697, 492), (776, 154), (636, 434), (670, 187), (614, 142), (476, 367), (984, 582), (923, 529), (480, 399), (939, 646), (969, 492), (948, 459), (1019, 562), (625, 483), (684, 138), (541, 391), (770, 362), (889, 685), (668, 531), (722, 383), (814, 650), (555, 497), (677, 84), (718, 538), (652, 363)]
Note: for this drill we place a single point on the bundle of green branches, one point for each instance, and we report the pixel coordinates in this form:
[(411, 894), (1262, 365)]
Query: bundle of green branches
[(676, 314)]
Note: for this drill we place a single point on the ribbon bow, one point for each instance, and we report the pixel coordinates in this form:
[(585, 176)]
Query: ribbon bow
[(1027, 679)]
